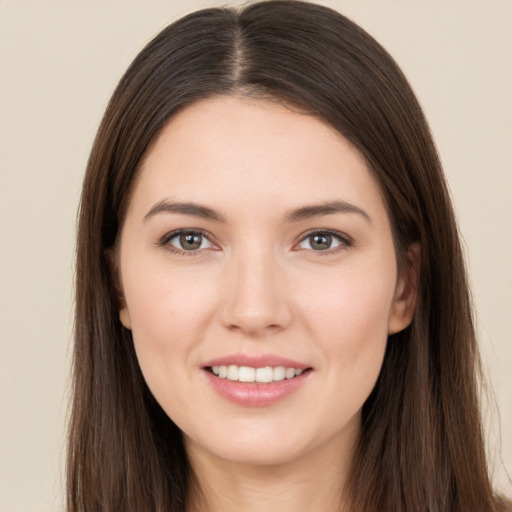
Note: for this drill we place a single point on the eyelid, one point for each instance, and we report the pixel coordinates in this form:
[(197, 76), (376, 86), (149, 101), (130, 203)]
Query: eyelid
[(344, 239), (164, 241)]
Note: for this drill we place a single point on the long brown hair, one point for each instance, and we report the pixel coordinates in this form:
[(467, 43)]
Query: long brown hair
[(421, 446)]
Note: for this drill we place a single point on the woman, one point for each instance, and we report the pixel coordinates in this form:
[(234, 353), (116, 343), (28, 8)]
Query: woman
[(272, 306)]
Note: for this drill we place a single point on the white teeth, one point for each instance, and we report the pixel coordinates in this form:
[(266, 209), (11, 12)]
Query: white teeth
[(279, 373), (289, 373), (264, 374), (246, 374), (249, 374), (232, 372)]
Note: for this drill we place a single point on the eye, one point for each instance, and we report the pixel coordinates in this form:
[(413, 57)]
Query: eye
[(187, 241), (323, 241)]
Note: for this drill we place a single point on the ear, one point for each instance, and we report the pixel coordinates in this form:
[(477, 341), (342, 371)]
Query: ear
[(112, 260), (124, 317), (406, 291)]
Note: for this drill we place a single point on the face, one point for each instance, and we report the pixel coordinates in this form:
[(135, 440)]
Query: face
[(259, 280)]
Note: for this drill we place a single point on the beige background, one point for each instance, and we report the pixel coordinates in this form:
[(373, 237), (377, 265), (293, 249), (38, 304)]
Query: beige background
[(59, 62)]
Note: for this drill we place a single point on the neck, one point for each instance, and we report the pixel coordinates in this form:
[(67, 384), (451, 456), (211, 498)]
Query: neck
[(315, 481)]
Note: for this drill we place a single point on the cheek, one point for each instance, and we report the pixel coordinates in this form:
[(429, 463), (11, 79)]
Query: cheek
[(168, 313), (161, 299), (350, 321), (352, 304)]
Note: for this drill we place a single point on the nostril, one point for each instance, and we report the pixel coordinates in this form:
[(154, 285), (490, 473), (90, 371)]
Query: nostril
[(253, 328), (253, 314)]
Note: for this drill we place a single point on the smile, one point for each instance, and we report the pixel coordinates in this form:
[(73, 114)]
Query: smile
[(263, 375), (256, 380)]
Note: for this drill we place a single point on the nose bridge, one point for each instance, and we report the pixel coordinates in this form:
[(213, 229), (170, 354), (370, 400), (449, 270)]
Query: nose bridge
[(256, 301)]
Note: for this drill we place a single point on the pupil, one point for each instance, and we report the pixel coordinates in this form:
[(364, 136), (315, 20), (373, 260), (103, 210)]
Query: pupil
[(321, 242), (190, 241)]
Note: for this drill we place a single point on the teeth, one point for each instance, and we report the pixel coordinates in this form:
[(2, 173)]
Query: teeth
[(246, 374), (289, 373), (279, 373), (264, 374), (232, 372), (249, 374)]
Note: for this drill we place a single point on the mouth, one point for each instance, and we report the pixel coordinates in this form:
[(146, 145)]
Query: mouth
[(252, 380), (249, 374)]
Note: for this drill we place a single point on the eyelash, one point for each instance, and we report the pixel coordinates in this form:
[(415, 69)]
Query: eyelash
[(164, 241), (344, 241)]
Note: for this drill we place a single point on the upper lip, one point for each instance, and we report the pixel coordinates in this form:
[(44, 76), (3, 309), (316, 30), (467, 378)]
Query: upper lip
[(256, 361)]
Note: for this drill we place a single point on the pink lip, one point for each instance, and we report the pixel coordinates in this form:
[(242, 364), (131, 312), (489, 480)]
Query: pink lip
[(255, 394), (256, 361)]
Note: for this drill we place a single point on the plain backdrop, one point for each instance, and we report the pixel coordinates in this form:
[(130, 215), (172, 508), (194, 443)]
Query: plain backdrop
[(59, 63)]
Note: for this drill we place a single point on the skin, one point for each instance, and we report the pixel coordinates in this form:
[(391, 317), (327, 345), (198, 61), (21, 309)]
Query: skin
[(257, 285)]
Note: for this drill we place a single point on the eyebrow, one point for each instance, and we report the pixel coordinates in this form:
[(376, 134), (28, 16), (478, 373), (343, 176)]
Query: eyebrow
[(191, 209), (295, 215), (327, 208)]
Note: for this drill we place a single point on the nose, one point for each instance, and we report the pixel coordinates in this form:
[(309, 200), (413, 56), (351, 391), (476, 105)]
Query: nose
[(256, 302)]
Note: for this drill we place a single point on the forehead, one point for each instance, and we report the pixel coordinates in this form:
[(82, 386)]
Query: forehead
[(231, 151)]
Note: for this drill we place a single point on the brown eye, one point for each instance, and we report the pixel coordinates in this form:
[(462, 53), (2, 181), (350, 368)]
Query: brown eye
[(190, 241), (319, 241), (187, 241)]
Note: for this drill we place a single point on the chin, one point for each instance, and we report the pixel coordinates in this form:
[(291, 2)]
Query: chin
[(256, 456), (257, 447)]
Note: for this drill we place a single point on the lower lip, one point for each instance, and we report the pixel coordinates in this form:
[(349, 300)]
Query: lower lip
[(253, 394)]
